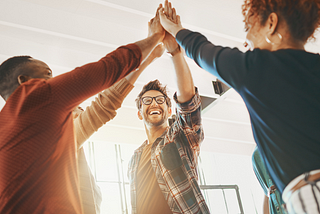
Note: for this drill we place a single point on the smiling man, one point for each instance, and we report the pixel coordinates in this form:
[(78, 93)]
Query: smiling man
[(163, 170)]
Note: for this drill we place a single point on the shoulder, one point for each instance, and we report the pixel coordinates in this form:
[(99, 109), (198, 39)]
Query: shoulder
[(34, 84), (34, 91)]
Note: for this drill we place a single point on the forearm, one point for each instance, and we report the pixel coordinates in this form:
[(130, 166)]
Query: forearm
[(147, 45), (229, 65), (183, 77), (175, 30), (266, 205), (72, 88), (101, 110), (189, 116), (133, 76), (198, 48)]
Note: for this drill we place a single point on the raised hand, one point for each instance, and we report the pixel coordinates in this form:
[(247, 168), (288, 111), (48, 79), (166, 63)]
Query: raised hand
[(169, 19), (169, 41), (170, 12), (154, 25), (156, 34)]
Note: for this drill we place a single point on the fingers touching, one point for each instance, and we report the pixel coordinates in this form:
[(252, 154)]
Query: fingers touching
[(165, 19), (154, 24), (169, 11)]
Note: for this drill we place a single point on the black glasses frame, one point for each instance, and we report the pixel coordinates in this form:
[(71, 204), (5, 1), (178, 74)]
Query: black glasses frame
[(155, 98)]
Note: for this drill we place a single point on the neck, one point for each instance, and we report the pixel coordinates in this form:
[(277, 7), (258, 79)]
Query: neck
[(287, 42), (153, 132), (289, 45), (7, 88), (6, 94)]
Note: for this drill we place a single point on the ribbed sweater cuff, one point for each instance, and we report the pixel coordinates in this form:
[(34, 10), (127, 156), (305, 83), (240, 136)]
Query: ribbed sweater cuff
[(123, 87)]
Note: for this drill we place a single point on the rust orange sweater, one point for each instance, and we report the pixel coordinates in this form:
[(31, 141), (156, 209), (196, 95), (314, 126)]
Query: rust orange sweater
[(38, 163)]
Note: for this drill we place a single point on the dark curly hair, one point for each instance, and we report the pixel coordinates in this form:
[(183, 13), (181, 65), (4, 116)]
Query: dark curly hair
[(301, 16), (153, 85)]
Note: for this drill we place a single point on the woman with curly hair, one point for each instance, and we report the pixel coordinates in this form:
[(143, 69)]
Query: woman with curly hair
[(280, 84)]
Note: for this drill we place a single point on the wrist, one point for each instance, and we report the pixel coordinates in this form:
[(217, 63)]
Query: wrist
[(175, 30), (158, 36), (175, 51)]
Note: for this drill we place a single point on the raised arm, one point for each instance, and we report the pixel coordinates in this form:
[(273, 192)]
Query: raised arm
[(186, 89), (88, 80), (187, 97), (157, 52), (103, 109), (212, 58), (196, 46), (156, 35)]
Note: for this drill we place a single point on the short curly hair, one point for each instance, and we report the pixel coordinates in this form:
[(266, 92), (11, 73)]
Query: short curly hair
[(153, 85), (301, 16)]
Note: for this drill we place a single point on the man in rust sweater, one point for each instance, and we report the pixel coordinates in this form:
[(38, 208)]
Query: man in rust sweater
[(38, 155)]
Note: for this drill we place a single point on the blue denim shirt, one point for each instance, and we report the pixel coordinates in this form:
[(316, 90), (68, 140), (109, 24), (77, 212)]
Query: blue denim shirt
[(275, 199)]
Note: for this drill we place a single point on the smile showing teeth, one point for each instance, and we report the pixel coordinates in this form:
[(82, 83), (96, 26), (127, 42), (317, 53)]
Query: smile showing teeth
[(154, 112)]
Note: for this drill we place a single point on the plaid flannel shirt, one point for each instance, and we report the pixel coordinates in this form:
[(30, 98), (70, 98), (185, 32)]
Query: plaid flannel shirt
[(174, 158)]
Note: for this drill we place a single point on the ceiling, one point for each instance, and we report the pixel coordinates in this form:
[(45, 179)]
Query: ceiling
[(69, 33)]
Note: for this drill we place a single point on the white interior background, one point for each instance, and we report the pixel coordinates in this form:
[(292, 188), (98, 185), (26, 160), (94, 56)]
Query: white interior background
[(69, 33)]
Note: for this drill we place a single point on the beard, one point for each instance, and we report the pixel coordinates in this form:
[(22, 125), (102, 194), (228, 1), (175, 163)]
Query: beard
[(158, 121)]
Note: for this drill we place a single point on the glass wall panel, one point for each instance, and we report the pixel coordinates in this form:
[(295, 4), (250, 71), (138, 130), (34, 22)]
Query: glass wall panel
[(127, 151), (227, 169), (232, 201), (215, 201), (128, 197), (111, 198), (105, 161)]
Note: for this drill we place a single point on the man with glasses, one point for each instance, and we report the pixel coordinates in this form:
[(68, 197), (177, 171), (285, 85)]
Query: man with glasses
[(163, 170)]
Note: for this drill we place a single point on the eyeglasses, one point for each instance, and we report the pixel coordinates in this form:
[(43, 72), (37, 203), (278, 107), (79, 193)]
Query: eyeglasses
[(148, 100)]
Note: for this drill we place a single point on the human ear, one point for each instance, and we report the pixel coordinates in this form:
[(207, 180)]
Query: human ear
[(169, 112), (139, 115), (272, 23), (22, 79)]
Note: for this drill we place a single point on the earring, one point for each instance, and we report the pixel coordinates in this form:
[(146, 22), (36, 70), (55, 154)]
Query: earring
[(273, 43)]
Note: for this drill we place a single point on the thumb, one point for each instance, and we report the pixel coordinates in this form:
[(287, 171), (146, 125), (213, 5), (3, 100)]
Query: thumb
[(161, 12)]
